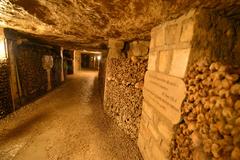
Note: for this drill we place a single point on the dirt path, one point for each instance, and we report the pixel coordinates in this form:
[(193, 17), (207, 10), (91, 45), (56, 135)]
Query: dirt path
[(66, 124)]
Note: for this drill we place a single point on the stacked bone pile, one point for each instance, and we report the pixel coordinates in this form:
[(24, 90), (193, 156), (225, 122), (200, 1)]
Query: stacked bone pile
[(33, 77), (210, 128), (123, 93), (5, 94)]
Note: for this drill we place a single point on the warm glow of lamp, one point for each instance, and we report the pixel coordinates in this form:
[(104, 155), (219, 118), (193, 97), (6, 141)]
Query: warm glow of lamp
[(2, 49), (99, 58)]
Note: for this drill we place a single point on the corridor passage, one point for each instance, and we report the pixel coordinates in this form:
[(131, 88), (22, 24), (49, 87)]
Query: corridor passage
[(66, 124)]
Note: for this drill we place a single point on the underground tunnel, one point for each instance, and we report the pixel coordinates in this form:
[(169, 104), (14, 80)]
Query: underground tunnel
[(119, 80)]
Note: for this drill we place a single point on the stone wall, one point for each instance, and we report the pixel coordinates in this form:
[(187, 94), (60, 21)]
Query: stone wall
[(5, 93), (217, 38), (164, 89), (123, 92), (171, 128)]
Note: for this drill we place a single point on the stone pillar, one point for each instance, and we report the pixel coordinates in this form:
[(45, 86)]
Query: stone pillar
[(13, 76), (94, 61), (62, 67), (80, 61), (74, 62), (49, 79), (114, 51), (77, 61)]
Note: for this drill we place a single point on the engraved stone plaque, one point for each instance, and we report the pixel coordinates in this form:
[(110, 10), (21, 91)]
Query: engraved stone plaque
[(163, 97), (165, 93)]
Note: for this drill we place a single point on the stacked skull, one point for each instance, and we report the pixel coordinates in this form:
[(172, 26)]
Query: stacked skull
[(211, 114)]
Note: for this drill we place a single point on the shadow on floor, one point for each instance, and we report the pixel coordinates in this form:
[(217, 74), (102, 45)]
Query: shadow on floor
[(23, 128)]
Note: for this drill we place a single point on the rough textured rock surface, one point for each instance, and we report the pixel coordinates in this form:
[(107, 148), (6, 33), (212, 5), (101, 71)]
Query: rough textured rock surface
[(5, 93), (81, 22), (123, 92), (211, 114), (216, 38)]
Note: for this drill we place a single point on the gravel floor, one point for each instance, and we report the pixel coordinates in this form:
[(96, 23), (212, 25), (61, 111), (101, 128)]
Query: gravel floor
[(66, 124)]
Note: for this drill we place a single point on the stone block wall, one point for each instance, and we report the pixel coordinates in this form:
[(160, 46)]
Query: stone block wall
[(164, 89), (5, 93), (123, 92), (203, 125)]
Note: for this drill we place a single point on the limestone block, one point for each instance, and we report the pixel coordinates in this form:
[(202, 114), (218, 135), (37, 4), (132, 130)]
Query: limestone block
[(153, 39), (187, 30), (143, 128), (158, 154), (170, 34), (179, 62), (145, 119), (148, 110), (152, 61), (166, 129), (152, 43), (141, 142), (160, 36), (164, 61), (163, 96), (165, 93), (154, 131)]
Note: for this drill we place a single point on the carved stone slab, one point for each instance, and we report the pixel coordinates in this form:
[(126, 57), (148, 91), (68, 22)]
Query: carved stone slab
[(165, 93)]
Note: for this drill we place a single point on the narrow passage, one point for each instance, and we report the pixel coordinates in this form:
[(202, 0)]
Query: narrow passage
[(66, 124)]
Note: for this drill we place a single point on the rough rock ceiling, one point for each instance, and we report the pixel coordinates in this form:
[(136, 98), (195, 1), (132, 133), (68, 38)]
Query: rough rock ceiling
[(89, 23)]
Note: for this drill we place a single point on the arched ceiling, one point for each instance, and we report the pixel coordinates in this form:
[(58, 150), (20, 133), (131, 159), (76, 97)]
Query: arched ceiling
[(86, 23)]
